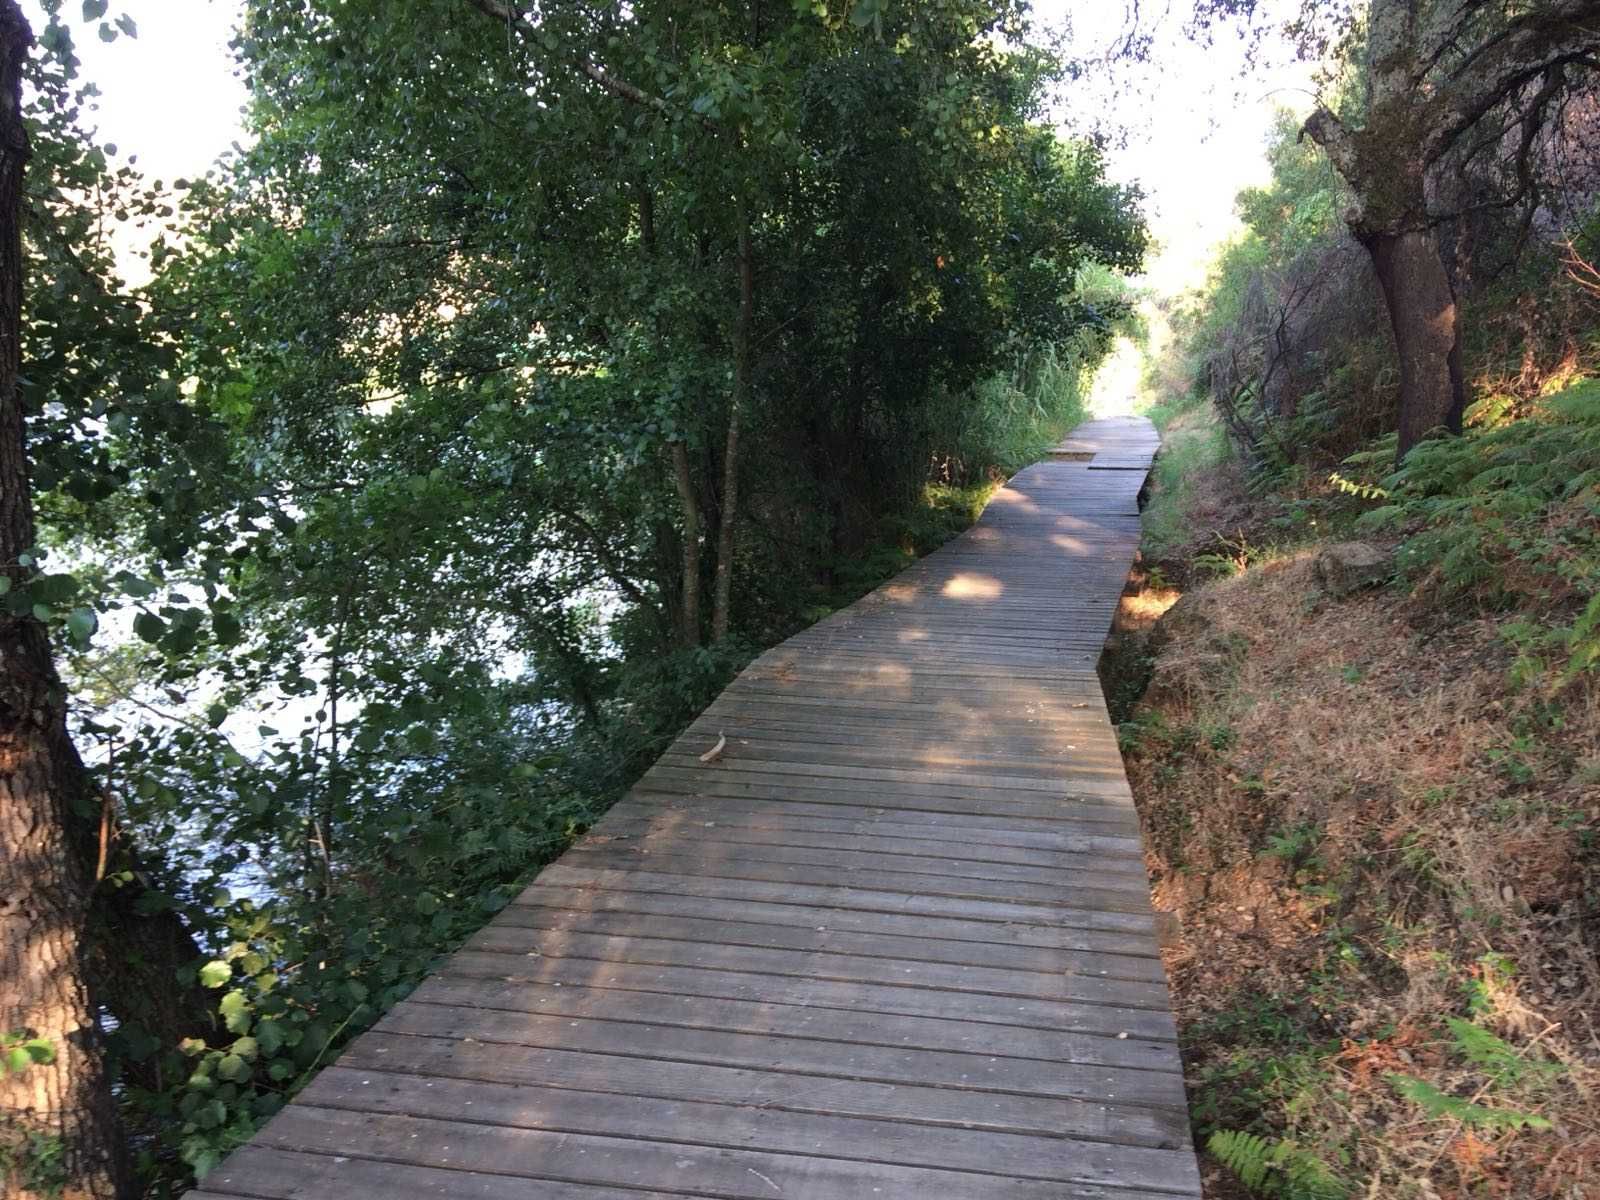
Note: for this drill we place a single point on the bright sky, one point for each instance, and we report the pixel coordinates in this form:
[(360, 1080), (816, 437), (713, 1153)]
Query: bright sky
[(1197, 124), (170, 95)]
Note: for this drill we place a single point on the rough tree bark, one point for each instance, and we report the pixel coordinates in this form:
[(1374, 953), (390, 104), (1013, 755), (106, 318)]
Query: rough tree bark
[(1422, 312), (45, 889), (1435, 71)]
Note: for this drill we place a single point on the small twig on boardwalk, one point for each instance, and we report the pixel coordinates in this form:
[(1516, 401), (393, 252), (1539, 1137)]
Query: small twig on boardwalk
[(711, 755)]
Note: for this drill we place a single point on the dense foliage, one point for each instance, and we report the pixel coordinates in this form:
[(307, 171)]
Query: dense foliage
[(521, 379)]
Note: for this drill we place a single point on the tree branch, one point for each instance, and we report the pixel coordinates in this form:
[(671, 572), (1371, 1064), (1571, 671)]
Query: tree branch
[(509, 15), (612, 568), (496, 9), (1563, 33), (1327, 131)]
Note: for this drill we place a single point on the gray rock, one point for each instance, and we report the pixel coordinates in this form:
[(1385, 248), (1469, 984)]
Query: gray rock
[(1346, 567)]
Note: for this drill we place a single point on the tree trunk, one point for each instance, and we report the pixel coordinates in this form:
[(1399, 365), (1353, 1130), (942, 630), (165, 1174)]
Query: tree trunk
[(132, 958), (688, 615), (64, 1105), (1422, 311), (689, 596), (743, 367)]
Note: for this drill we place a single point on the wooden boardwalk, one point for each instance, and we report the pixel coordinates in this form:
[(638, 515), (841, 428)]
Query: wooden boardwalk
[(895, 944)]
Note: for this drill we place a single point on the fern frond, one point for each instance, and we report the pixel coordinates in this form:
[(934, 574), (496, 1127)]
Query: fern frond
[(1445, 1106), (1276, 1168), (1498, 1059)]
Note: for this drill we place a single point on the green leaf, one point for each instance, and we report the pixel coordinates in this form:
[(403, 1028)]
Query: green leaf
[(235, 1010), (18, 1060), (81, 625), (1442, 1105), (269, 1037), (149, 626), (215, 974), (55, 588), (40, 1050), (233, 1068), (226, 628)]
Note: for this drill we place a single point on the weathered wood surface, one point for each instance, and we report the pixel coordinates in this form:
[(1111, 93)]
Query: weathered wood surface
[(894, 944)]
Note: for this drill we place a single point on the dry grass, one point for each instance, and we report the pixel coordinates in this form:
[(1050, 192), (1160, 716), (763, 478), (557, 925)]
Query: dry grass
[(1364, 830)]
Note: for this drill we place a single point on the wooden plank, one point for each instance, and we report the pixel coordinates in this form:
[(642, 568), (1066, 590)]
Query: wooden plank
[(1095, 987), (779, 1091), (1105, 797), (729, 929), (979, 835), (946, 1051), (1062, 828), (709, 861), (843, 890), (1133, 927), (259, 1172), (993, 939), (688, 1168), (958, 856), (1107, 1020), (750, 1127), (890, 861)]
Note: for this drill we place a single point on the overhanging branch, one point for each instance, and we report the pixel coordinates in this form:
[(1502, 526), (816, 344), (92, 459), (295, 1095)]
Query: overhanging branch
[(510, 15)]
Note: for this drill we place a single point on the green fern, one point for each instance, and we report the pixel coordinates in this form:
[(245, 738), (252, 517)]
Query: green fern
[(1443, 1105), (1276, 1168), (1217, 564), (1583, 641), (1499, 1060), (1507, 516), (1355, 487)]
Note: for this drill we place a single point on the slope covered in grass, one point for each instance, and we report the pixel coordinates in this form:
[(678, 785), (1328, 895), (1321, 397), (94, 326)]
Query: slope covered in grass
[(1377, 822)]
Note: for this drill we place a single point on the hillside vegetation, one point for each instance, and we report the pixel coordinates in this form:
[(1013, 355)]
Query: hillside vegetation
[(1375, 816)]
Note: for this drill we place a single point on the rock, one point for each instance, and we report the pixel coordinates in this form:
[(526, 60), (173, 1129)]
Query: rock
[(1346, 567), (1182, 678)]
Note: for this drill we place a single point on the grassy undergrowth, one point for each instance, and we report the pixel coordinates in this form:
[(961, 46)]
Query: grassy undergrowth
[(1378, 818), (1194, 486)]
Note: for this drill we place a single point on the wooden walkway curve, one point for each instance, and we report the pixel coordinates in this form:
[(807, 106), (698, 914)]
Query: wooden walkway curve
[(895, 944)]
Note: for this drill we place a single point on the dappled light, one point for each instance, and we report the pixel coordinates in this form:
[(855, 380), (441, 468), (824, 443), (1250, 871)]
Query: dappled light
[(557, 563), (967, 585)]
